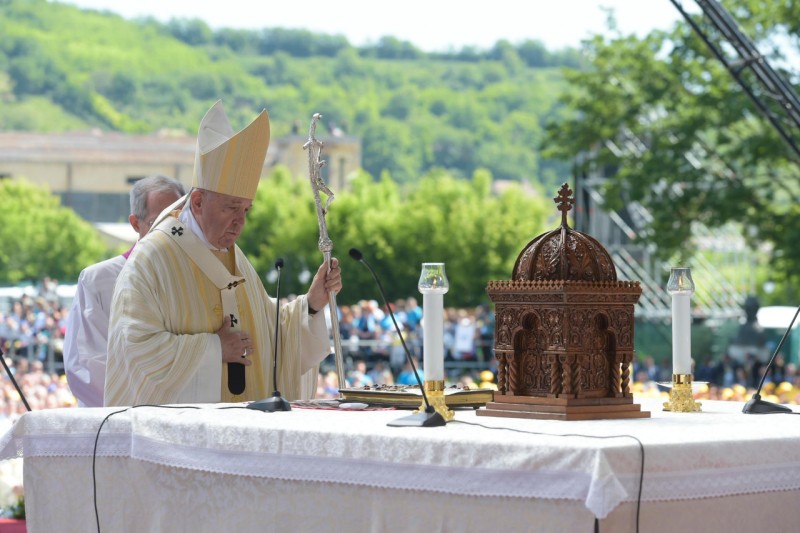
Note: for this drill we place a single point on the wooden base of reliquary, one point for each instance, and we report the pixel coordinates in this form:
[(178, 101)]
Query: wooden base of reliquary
[(510, 406)]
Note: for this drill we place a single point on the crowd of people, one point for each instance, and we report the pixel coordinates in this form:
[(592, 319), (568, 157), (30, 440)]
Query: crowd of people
[(368, 333), (32, 329), (31, 339), (33, 325)]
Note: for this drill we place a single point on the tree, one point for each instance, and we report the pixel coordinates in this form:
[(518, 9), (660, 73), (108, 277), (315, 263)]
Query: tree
[(194, 32), (282, 223), (681, 136), (240, 41), (476, 233), (40, 238), (389, 47), (534, 53)]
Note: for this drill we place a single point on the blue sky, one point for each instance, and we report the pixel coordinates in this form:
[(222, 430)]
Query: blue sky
[(432, 25)]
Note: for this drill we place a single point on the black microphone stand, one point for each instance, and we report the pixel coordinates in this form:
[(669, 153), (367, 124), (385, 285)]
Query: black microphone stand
[(429, 417), (276, 402), (14, 381), (757, 406)]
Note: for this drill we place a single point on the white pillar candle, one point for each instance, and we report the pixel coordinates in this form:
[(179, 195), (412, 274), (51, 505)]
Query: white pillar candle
[(433, 335), (681, 287), (681, 333), (433, 284)]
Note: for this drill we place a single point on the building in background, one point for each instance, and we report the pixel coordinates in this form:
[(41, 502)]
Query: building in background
[(93, 172)]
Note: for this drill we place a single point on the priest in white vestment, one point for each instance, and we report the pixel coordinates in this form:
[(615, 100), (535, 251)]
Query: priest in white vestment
[(86, 335), (188, 305)]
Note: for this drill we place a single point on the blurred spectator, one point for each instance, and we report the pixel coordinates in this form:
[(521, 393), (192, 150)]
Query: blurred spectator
[(327, 385), (464, 337), (381, 375), (651, 371), (413, 314), (707, 371), (367, 324), (727, 371), (485, 322), (358, 377), (407, 377)]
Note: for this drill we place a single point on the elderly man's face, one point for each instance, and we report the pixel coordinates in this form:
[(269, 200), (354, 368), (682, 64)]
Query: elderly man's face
[(220, 216)]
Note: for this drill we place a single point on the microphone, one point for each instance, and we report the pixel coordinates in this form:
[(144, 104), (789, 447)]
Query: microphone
[(429, 417), (276, 402), (14, 381), (757, 406)]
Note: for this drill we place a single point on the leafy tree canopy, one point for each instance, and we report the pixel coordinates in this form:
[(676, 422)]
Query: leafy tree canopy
[(461, 223), (63, 68), (40, 238), (670, 128)]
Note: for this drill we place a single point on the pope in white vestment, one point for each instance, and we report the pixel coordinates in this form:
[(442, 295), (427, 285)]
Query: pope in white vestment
[(188, 304)]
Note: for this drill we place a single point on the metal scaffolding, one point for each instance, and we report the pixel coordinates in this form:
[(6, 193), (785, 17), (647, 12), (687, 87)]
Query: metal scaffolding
[(724, 291)]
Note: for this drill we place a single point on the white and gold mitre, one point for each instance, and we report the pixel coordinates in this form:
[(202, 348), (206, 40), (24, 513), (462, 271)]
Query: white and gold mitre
[(227, 162)]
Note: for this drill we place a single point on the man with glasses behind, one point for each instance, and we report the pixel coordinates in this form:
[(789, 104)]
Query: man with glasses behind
[(86, 337)]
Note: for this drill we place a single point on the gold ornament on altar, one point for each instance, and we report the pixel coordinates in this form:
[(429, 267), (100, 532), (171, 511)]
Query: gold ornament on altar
[(564, 330), (434, 390), (681, 397)]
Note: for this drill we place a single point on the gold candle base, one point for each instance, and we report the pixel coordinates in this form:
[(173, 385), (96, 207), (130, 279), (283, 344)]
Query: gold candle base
[(434, 390), (681, 399)]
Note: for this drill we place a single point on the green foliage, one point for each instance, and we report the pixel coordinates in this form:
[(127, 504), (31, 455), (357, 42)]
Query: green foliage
[(477, 234), (37, 113), (433, 126), (414, 111), (392, 48), (675, 132), (282, 223), (193, 32), (40, 238)]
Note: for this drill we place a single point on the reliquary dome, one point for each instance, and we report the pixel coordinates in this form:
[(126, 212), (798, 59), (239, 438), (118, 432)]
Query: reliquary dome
[(564, 253)]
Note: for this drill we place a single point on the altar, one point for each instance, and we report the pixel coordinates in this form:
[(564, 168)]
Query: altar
[(223, 468)]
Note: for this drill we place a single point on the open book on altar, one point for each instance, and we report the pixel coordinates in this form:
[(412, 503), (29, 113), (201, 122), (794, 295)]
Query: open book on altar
[(410, 397)]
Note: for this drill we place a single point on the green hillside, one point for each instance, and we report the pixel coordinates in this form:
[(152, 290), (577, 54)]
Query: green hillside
[(63, 68)]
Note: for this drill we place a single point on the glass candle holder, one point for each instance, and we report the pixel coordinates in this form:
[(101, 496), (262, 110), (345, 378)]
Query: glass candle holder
[(433, 285)]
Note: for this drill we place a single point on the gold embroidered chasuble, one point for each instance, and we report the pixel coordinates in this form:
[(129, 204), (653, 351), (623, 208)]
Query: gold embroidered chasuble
[(162, 346)]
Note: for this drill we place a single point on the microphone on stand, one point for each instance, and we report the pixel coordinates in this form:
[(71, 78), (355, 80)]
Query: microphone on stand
[(429, 417), (757, 406), (14, 381), (276, 402)]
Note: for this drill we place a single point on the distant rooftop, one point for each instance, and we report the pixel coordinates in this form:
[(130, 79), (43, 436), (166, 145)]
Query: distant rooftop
[(95, 146)]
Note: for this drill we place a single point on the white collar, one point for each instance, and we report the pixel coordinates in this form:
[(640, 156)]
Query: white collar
[(187, 217)]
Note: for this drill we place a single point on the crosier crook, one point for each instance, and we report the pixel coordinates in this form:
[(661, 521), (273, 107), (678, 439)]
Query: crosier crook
[(314, 147)]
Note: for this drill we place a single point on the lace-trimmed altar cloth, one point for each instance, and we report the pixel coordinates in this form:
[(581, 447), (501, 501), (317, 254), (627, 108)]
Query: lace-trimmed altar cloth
[(718, 452)]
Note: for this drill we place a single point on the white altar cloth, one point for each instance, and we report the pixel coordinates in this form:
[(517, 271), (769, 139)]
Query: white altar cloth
[(589, 466)]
